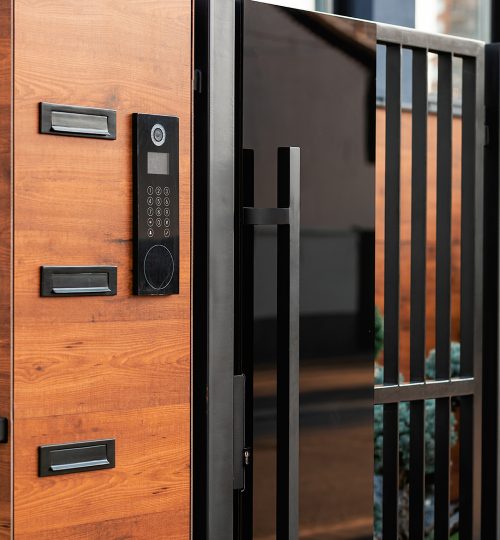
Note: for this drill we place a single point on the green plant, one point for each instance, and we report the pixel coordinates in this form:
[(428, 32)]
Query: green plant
[(430, 363), (404, 436)]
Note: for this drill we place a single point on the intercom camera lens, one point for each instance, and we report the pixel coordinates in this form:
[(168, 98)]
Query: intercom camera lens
[(158, 134)]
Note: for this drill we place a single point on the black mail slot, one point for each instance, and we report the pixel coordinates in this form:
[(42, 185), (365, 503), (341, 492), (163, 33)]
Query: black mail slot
[(77, 121), (82, 456), (78, 280), (4, 430)]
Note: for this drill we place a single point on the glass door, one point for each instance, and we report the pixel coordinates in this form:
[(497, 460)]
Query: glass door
[(305, 119)]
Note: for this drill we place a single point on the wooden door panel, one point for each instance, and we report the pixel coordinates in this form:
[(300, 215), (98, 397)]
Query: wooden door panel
[(73, 377), (135, 527), (98, 367), (150, 477)]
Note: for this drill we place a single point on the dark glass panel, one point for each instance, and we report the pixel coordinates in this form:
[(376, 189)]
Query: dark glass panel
[(309, 81)]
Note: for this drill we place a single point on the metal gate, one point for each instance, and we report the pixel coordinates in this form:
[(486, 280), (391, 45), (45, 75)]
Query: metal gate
[(464, 388), (214, 227)]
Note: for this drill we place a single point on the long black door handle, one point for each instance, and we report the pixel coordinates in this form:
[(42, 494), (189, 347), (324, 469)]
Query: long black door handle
[(287, 219), (287, 504)]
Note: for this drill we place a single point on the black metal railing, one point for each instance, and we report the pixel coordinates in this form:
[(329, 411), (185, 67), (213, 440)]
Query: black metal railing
[(468, 385)]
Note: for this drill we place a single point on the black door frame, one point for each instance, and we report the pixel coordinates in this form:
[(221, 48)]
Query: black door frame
[(491, 345), (491, 373), (213, 290)]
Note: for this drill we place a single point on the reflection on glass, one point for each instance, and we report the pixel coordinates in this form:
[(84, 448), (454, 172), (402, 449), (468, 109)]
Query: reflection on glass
[(264, 388), (465, 18), (308, 81)]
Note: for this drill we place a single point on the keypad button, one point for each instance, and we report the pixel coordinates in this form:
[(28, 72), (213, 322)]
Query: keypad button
[(150, 190), (166, 201), (150, 222), (151, 233), (158, 211), (150, 201), (167, 222), (158, 222), (166, 191), (150, 211), (158, 201), (166, 212), (158, 190), (166, 233)]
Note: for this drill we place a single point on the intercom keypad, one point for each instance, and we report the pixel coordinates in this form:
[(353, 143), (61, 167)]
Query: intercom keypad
[(159, 206), (156, 204)]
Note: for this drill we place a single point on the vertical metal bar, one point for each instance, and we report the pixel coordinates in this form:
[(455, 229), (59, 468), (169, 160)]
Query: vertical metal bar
[(478, 295), (418, 215), (490, 507), (391, 289), (467, 312), (443, 217), (246, 335), (442, 469), (220, 320), (244, 278), (392, 214), (417, 300), (443, 292), (466, 466), (287, 504), (391, 472), (417, 469), (199, 306), (468, 217)]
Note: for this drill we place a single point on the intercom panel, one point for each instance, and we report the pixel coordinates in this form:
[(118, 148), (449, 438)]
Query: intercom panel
[(156, 204)]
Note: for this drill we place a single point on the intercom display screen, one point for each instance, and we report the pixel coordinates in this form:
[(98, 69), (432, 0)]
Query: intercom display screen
[(158, 163)]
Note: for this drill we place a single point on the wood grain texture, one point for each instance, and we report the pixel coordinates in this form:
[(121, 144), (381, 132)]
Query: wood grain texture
[(5, 259), (405, 221), (133, 528), (98, 367), (150, 477)]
